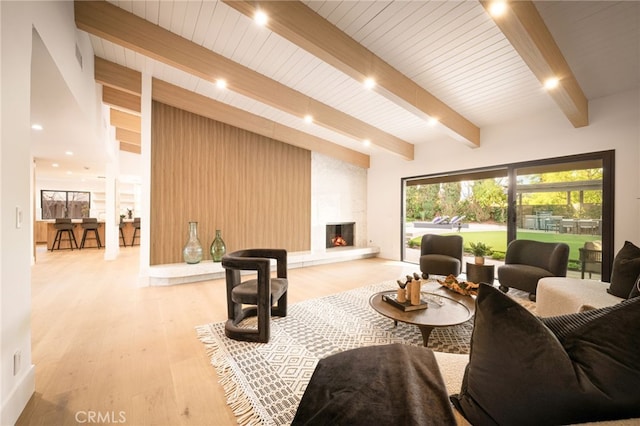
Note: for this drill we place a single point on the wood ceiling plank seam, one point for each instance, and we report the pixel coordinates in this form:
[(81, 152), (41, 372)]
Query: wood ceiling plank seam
[(178, 18), (166, 12), (453, 55), (374, 15), (305, 68), (192, 12), (246, 48), (126, 5), (217, 20), (470, 66), (404, 48), (203, 22), (440, 52), (434, 49), (227, 32), (392, 20), (139, 8)]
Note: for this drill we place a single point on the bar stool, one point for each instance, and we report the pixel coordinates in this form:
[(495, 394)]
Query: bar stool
[(124, 243), (90, 224), (64, 226), (136, 228)]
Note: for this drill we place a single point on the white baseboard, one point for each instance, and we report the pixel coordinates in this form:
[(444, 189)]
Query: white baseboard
[(17, 400)]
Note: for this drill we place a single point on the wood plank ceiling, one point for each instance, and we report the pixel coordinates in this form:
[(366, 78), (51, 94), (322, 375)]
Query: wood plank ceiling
[(313, 62)]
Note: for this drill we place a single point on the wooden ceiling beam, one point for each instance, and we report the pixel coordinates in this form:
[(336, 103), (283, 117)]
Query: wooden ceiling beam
[(302, 26), (116, 76), (528, 34), (124, 135), (129, 147), (178, 97), (122, 100), (107, 21), (124, 120)]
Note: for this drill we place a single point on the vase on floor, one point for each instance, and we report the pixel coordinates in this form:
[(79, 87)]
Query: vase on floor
[(218, 248), (192, 251)]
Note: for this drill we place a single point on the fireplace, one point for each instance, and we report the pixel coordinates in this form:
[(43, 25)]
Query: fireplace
[(340, 234)]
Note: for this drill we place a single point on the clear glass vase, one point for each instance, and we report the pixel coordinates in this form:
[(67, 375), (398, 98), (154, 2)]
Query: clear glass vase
[(218, 248), (192, 251)]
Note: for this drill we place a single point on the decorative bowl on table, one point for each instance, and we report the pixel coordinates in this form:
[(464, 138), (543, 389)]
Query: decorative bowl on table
[(466, 288)]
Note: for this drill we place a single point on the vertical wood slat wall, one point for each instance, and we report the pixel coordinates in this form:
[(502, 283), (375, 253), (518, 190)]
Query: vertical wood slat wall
[(256, 190)]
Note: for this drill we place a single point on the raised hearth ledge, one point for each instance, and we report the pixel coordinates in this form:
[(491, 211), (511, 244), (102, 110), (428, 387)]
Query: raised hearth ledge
[(182, 273)]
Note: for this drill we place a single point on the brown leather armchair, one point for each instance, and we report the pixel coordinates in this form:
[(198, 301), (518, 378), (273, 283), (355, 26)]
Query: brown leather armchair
[(527, 261), (262, 293), (441, 255)]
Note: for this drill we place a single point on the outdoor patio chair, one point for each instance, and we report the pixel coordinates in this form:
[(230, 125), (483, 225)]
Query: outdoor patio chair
[(591, 258)]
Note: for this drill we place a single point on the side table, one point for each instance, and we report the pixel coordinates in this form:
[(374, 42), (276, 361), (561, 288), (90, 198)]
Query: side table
[(480, 273)]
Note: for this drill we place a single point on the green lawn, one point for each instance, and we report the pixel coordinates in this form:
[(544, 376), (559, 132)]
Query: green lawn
[(497, 240)]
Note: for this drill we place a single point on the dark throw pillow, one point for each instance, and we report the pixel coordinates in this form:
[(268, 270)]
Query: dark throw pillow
[(626, 268), (635, 291), (521, 373)]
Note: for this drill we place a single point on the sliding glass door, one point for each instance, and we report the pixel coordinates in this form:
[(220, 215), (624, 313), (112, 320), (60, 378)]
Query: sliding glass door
[(562, 202), (567, 199)]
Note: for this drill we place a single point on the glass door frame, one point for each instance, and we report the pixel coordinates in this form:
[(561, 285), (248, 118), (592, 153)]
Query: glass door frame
[(608, 197)]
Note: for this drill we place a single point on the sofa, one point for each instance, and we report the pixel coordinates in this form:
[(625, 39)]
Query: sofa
[(522, 370), (560, 296), (563, 295)]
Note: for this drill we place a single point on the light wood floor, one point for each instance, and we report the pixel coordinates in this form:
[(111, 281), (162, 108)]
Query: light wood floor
[(104, 345)]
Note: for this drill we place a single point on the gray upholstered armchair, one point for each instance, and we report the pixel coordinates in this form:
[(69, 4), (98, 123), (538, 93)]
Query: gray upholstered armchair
[(527, 261), (441, 255), (261, 293)]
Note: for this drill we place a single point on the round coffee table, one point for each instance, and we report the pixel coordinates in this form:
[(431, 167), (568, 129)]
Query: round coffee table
[(446, 308)]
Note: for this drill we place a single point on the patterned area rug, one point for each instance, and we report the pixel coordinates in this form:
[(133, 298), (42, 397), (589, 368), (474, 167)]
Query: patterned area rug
[(265, 382)]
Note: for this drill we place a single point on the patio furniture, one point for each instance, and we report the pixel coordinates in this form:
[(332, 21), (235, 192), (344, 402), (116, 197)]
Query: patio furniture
[(526, 261), (591, 258), (587, 226), (441, 255)]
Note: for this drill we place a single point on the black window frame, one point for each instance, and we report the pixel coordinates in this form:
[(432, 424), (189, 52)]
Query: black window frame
[(608, 195), (67, 199)]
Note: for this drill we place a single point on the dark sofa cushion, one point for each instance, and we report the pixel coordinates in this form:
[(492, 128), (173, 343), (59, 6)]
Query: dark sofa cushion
[(520, 372), (626, 268), (385, 385)]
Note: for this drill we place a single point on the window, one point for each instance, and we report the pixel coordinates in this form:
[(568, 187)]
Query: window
[(568, 199), (65, 204)]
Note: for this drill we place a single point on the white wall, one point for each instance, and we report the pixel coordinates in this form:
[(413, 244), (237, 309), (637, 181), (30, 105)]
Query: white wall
[(54, 21), (614, 124), (338, 194)]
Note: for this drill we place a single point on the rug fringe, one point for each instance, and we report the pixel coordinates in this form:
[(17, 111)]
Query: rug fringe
[(237, 400)]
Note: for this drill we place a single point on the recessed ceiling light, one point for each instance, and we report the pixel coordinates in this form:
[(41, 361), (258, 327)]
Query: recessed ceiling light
[(260, 18), (68, 153), (551, 83), (498, 8), (55, 165), (36, 126), (366, 142), (69, 172), (308, 119), (369, 83), (432, 121), (221, 83)]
